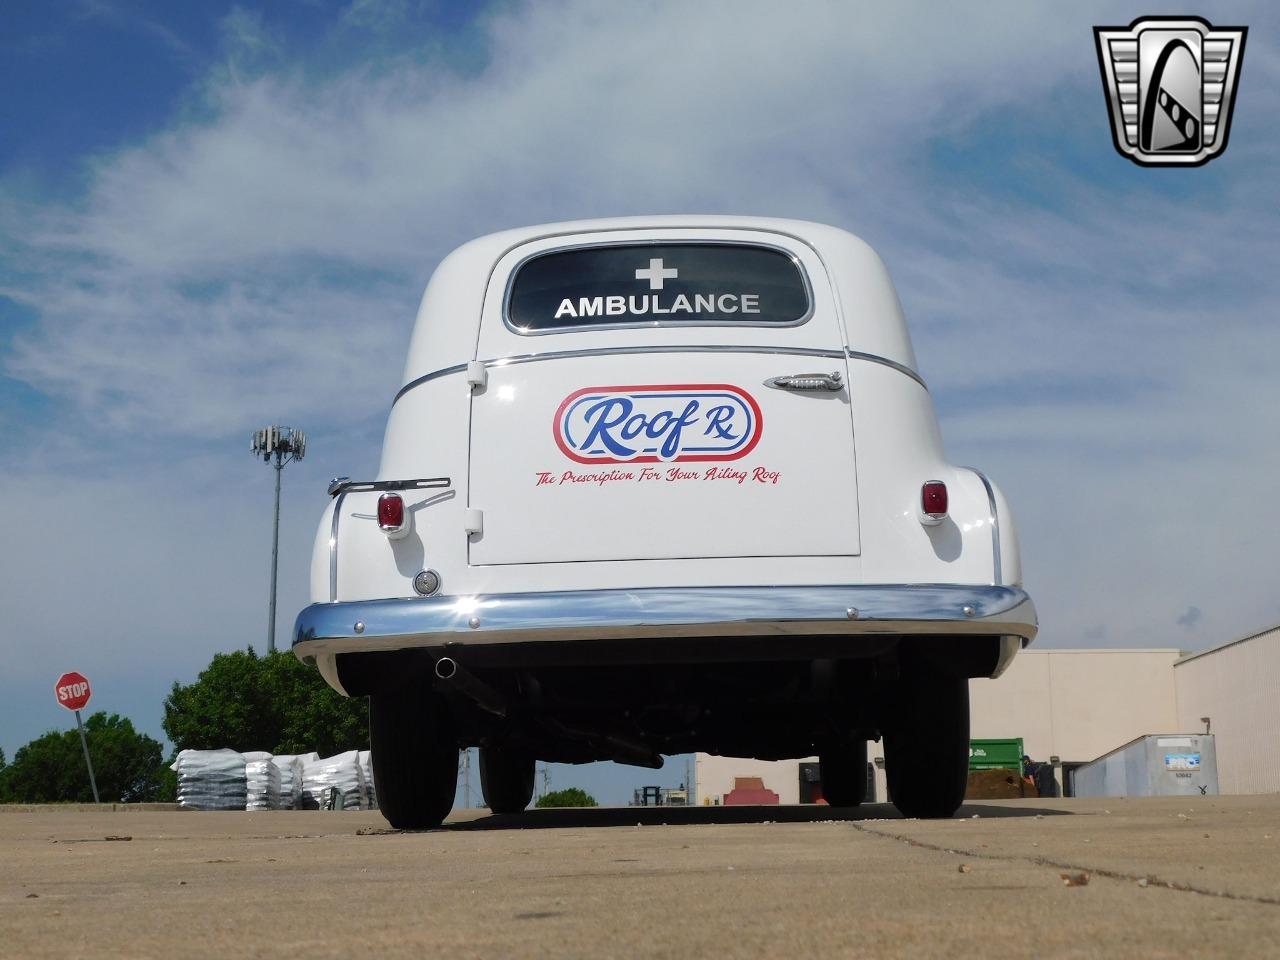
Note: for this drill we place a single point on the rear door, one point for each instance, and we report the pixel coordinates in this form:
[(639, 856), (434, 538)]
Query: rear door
[(633, 409)]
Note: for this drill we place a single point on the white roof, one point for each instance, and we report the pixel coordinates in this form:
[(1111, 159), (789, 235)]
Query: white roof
[(445, 334)]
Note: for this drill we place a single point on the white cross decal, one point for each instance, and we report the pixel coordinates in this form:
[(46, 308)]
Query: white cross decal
[(656, 275)]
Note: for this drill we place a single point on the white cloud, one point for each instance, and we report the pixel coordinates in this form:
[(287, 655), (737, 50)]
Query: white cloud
[(194, 251)]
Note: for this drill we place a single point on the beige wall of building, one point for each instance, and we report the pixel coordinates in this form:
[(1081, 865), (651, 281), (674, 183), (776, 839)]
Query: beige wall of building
[(1075, 704), (1237, 686)]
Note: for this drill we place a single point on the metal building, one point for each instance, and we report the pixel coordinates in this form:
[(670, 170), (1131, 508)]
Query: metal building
[(1236, 686)]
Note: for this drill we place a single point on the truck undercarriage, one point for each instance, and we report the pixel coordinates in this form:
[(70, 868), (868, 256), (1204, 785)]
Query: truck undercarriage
[(520, 707)]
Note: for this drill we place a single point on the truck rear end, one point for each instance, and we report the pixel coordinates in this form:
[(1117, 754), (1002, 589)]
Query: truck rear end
[(659, 485)]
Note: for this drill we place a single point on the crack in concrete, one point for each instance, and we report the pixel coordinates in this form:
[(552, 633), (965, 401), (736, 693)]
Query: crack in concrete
[(1151, 879)]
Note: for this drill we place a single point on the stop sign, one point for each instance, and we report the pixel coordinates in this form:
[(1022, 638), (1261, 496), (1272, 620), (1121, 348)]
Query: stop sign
[(72, 690)]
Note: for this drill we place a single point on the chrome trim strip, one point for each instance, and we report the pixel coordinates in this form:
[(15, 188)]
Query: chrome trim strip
[(433, 375), (885, 361), (333, 546), (689, 348), (811, 307), (869, 609), (996, 573)]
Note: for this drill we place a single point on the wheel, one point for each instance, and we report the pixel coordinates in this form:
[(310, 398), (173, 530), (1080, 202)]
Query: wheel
[(926, 742), (506, 779), (415, 757), (843, 768)]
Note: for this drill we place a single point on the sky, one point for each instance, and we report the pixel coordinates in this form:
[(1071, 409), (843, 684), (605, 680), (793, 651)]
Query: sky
[(217, 216)]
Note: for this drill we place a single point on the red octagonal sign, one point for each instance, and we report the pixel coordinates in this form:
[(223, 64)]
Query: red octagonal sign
[(72, 690)]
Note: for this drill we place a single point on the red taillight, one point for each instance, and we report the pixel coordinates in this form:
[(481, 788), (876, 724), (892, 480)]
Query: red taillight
[(933, 499), (390, 512)]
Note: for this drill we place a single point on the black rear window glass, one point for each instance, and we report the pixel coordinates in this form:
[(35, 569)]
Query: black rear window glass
[(648, 284)]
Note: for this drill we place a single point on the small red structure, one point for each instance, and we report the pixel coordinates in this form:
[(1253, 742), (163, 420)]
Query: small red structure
[(749, 790)]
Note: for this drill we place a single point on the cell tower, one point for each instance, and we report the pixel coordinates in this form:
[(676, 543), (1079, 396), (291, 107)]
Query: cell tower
[(283, 445)]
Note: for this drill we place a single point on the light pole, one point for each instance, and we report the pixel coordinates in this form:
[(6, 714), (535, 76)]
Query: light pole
[(283, 444)]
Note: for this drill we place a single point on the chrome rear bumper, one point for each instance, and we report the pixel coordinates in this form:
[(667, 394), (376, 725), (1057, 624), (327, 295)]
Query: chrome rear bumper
[(670, 612)]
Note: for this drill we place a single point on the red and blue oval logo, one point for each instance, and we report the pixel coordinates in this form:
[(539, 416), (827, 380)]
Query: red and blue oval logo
[(666, 423)]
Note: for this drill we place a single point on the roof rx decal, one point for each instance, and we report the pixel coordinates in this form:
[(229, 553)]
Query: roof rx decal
[(669, 423)]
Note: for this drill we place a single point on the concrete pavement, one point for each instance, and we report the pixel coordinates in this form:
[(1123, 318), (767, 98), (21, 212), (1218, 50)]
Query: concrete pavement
[(1148, 878)]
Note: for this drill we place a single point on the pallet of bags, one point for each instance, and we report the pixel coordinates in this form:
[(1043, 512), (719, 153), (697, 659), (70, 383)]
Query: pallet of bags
[(290, 766), (366, 768), (334, 783), (262, 781), (211, 780)]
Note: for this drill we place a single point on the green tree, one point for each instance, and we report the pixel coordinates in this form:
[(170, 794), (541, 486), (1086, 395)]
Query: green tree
[(50, 769), (167, 781), (569, 797), (273, 703)]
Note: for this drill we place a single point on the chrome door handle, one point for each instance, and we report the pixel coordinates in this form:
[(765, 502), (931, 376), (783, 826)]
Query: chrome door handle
[(807, 381)]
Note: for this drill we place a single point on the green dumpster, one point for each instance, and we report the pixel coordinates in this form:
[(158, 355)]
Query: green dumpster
[(996, 755)]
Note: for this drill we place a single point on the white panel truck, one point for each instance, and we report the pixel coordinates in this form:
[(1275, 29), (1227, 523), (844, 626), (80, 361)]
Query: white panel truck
[(660, 485)]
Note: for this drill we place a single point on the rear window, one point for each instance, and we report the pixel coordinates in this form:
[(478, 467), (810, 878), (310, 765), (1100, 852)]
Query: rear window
[(666, 284)]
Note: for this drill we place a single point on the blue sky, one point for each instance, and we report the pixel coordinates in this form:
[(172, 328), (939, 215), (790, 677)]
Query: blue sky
[(217, 215), (97, 74)]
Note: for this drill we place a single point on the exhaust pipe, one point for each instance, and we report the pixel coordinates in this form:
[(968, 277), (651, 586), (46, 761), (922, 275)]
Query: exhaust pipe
[(455, 675)]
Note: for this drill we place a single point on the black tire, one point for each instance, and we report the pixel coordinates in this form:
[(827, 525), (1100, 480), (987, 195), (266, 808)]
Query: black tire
[(843, 768), (506, 779), (926, 743), (415, 757)]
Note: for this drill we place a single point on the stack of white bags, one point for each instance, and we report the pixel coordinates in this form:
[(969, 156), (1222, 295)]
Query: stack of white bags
[(290, 766), (211, 780), (228, 780), (366, 768), (341, 773), (262, 780)]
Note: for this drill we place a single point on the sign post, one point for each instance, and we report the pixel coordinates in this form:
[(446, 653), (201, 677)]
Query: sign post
[(72, 691)]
